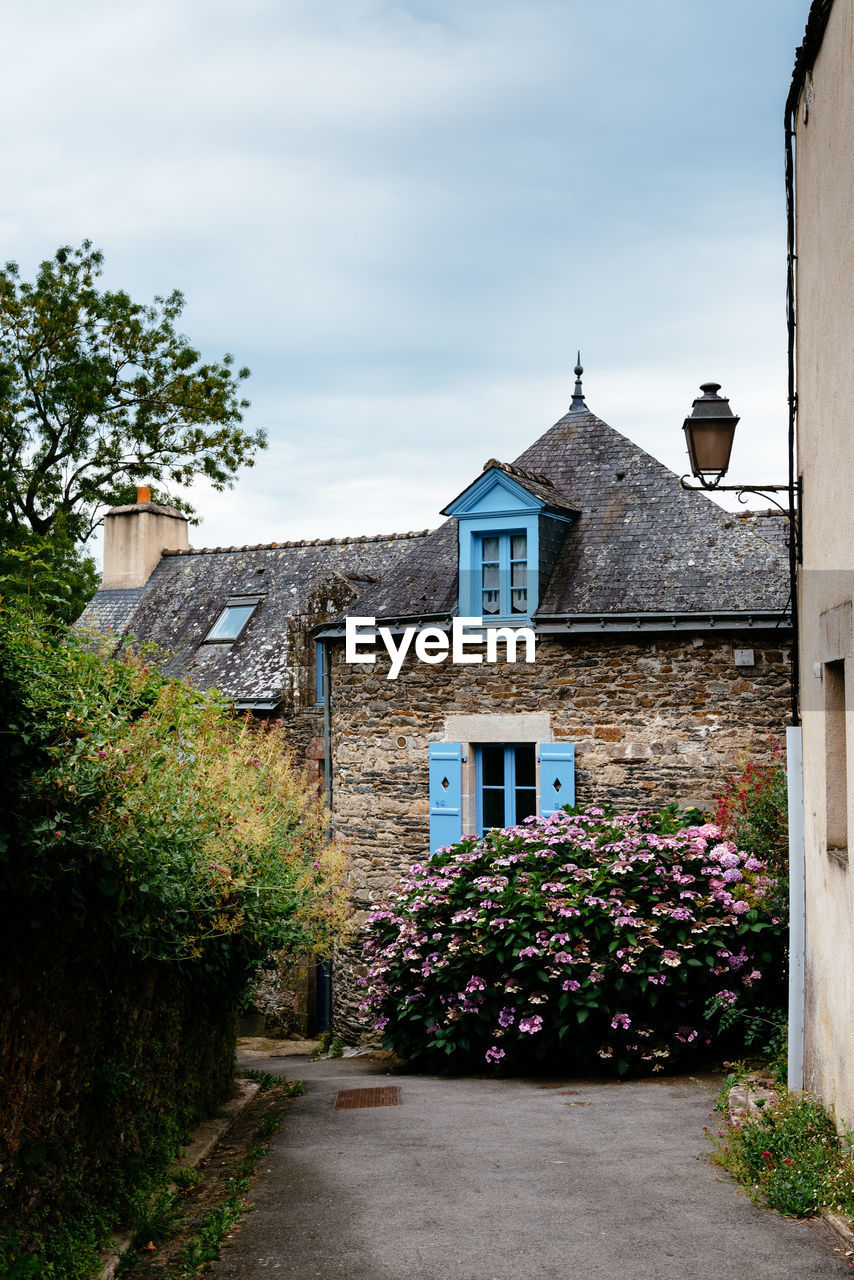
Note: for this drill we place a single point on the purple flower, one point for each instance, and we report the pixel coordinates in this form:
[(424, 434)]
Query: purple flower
[(732, 876), (621, 1020), (506, 1017), (494, 1054), (741, 908), (529, 951)]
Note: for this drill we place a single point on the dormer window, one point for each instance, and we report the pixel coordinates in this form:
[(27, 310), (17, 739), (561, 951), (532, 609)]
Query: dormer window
[(511, 525), (233, 619)]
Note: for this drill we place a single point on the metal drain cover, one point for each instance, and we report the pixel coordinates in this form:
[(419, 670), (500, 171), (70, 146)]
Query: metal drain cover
[(350, 1099)]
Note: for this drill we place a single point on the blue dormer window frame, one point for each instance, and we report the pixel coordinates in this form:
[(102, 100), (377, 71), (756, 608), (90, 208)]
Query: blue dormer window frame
[(496, 507), (479, 577), (503, 573)]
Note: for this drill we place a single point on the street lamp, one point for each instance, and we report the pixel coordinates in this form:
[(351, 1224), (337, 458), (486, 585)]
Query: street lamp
[(710, 431)]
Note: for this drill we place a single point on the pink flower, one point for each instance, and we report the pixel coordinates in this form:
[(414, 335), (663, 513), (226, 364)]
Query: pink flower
[(621, 1020), (494, 1054), (741, 908), (531, 1025)]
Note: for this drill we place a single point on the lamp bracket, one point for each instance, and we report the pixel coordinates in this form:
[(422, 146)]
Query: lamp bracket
[(742, 490)]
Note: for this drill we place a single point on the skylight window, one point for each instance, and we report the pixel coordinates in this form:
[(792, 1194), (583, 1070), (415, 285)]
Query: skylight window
[(233, 619)]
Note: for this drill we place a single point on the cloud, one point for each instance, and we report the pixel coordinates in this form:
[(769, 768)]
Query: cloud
[(405, 217)]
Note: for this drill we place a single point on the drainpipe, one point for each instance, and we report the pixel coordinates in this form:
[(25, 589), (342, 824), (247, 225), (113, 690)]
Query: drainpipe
[(327, 729), (795, 494), (794, 740), (324, 968), (797, 905)]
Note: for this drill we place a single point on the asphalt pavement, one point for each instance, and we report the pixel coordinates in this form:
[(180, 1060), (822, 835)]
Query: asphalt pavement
[(485, 1179)]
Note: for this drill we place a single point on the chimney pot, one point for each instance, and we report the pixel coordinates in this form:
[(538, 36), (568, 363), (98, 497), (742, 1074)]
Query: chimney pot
[(143, 493)]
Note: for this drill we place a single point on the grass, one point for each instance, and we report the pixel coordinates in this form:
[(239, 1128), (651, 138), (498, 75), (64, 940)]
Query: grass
[(329, 1046), (186, 1229), (789, 1156), (154, 1217)]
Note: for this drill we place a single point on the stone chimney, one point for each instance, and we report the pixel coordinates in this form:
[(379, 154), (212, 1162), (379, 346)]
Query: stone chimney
[(135, 537)]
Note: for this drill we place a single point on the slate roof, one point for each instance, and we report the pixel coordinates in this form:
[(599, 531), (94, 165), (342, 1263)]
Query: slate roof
[(540, 486), (111, 610), (187, 591), (641, 544)]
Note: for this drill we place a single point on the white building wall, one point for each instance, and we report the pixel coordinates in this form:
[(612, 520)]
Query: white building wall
[(824, 184)]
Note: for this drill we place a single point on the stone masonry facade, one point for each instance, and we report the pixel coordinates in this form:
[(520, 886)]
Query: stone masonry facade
[(656, 719)]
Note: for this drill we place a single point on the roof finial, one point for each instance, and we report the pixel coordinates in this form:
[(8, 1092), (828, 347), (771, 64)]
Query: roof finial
[(578, 405)]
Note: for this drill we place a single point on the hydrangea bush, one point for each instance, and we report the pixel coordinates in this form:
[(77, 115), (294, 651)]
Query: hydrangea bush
[(571, 940)]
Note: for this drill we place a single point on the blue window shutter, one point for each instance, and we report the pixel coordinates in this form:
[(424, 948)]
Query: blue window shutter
[(446, 793), (557, 776)]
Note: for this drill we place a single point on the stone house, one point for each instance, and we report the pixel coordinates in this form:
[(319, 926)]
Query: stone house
[(820, 121), (659, 625)]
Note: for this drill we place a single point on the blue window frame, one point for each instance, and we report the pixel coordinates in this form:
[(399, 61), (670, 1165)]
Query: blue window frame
[(506, 784), (503, 574)]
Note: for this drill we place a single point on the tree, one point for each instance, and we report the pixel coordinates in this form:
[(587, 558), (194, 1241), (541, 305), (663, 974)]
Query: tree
[(49, 572), (97, 393)]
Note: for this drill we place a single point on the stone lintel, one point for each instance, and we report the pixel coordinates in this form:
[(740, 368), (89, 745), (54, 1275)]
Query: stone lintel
[(501, 728)]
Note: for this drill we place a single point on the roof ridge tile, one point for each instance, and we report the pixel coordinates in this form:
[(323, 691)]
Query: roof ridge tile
[(303, 542)]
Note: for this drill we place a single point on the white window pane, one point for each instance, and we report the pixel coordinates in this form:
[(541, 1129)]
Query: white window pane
[(519, 546), (519, 575), (490, 602), (519, 600), (489, 549)]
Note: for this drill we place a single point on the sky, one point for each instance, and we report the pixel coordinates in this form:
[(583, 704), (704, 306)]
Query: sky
[(406, 218)]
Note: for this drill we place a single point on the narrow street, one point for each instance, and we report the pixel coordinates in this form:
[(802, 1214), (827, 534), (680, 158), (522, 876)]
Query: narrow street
[(480, 1179)]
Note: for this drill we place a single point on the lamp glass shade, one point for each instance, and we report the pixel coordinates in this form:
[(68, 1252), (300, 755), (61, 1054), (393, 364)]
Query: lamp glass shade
[(710, 444)]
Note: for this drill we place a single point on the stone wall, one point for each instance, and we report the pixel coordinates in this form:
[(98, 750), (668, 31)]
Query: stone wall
[(285, 994), (657, 719)]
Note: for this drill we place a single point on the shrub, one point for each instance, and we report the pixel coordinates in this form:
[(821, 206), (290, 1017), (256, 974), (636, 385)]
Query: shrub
[(140, 803), (573, 939), (752, 809), (153, 848)]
